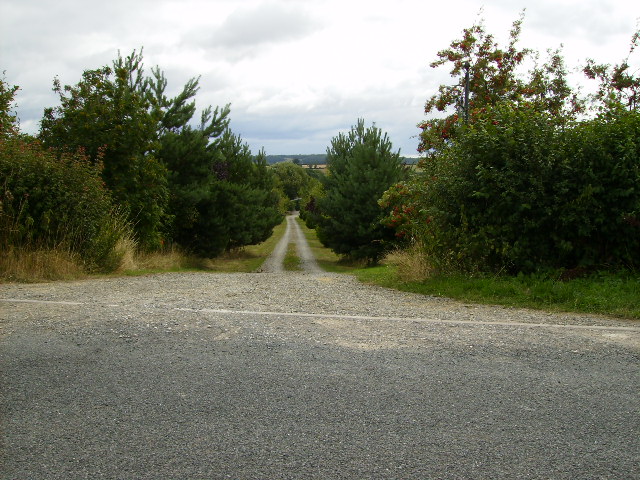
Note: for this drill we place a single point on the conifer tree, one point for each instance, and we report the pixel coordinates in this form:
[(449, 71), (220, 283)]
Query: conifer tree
[(361, 167), (197, 185), (221, 196), (108, 116)]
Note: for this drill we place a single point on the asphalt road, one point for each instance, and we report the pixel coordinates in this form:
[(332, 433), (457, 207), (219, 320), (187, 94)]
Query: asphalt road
[(174, 377)]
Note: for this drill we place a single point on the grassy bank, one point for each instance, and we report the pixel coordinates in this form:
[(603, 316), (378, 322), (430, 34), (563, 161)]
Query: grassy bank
[(30, 265), (603, 294)]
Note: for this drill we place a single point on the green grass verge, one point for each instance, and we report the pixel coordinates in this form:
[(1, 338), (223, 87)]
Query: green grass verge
[(615, 295)]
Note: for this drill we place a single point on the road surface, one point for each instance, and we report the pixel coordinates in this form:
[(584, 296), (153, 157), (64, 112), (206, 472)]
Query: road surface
[(306, 376)]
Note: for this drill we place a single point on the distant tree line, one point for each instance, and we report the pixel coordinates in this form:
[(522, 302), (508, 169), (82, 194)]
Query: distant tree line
[(320, 159), (307, 159)]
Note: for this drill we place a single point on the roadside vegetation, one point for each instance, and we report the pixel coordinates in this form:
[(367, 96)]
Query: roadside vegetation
[(119, 173), (613, 294), (600, 293), (527, 193), (242, 260)]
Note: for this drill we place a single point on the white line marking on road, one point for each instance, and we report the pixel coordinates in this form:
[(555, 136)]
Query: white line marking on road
[(409, 319), (355, 317), (49, 302)]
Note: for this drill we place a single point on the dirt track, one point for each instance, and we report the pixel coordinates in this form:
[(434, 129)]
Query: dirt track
[(293, 234)]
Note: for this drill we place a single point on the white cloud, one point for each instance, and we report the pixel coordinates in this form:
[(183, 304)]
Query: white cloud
[(266, 23), (295, 71)]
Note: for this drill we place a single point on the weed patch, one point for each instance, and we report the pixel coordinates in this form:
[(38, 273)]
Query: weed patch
[(291, 260)]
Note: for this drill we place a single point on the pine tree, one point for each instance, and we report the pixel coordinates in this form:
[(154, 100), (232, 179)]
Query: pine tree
[(109, 117), (361, 167), (221, 196)]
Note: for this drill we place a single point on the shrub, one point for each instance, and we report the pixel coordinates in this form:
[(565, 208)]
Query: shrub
[(51, 202), (517, 192)]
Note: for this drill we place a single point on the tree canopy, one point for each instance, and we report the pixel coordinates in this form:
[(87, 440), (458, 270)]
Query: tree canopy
[(536, 177), (361, 166), (198, 186), (495, 75)]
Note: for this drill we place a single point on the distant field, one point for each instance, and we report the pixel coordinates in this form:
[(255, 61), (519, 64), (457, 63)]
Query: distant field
[(318, 160), (315, 167)]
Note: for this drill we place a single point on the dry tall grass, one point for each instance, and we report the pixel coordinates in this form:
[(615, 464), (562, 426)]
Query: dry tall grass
[(42, 265), (166, 260), (411, 263), (37, 265), (24, 265), (126, 249)]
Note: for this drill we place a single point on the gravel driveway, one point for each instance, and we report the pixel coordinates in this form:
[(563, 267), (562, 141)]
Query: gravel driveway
[(304, 376), (292, 234)]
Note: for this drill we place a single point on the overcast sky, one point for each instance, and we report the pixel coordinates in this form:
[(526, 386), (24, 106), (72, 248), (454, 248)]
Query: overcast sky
[(296, 72)]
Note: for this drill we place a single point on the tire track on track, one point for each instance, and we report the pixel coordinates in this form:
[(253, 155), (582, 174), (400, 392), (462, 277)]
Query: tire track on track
[(293, 233)]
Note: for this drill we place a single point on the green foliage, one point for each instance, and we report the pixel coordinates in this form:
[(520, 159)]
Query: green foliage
[(8, 119), (248, 188), (402, 204), (516, 193), (49, 201), (618, 86), (292, 179), (494, 76), (600, 217), (187, 155), (361, 167), (309, 205), (110, 116), (523, 186), (200, 187), (221, 196), (296, 184), (492, 198)]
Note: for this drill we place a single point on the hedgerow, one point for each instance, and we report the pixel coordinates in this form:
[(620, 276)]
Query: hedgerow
[(56, 202)]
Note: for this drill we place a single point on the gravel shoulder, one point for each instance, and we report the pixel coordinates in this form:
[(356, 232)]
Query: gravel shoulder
[(319, 293)]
